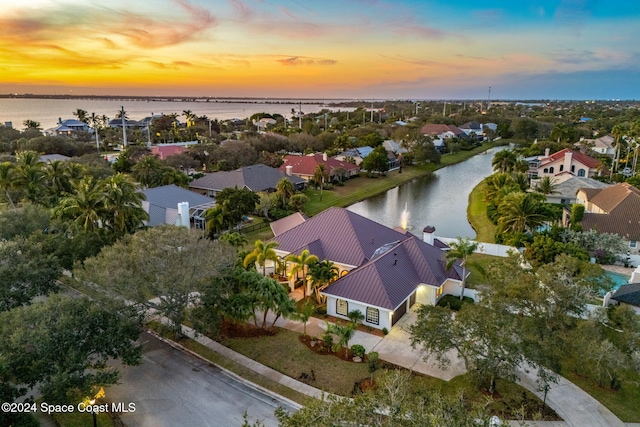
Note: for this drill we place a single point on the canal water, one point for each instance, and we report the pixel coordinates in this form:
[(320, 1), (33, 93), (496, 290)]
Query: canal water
[(439, 200)]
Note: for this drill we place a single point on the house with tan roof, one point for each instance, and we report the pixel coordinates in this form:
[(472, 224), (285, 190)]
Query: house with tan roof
[(305, 166), (570, 161), (602, 145), (615, 209), (567, 186), (442, 131), (383, 272)]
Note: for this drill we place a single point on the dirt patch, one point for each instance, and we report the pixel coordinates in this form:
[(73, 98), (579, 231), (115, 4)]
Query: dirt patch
[(318, 346), (360, 327), (245, 330)]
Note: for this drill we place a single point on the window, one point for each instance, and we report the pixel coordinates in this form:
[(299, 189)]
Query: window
[(343, 273), (551, 169), (633, 244), (545, 170), (573, 168), (373, 316), (561, 168), (439, 291), (581, 172), (342, 307)]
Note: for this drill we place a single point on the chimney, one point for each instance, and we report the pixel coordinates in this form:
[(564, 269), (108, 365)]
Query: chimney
[(567, 161), (324, 156), (547, 151), (289, 170), (427, 234), (183, 215)]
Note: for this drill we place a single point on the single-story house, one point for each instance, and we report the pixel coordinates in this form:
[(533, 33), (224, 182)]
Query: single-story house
[(305, 166), (567, 186), (175, 205), (614, 209), (628, 294), (358, 154), (383, 271), (442, 131), (255, 178)]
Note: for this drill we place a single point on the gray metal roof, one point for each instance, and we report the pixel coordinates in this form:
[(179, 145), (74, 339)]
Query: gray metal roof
[(344, 236), (168, 196), (255, 178), (391, 277), (162, 203), (629, 294)]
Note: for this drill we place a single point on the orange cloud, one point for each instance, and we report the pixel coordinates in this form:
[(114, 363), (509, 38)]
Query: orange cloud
[(301, 60)]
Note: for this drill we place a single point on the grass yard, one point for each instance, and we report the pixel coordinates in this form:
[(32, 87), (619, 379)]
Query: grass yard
[(624, 403), (285, 353), (477, 215), (477, 263)]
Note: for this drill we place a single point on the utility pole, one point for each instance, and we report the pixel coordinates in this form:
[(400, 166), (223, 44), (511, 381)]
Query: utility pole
[(371, 111), (444, 108), (300, 116), (489, 99)]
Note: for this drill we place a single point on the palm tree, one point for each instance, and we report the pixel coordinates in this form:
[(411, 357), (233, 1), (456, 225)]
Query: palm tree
[(504, 161), (81, 115), (261, 253), (522, 212), (460, 251), (547, 185), (95, 122), (7, 171), (148, 171), (215, 220), (303, 314), (58, 179), (31, 125), (84, 206), (344, 333), (496, 183), (235, 239), (322, 274), (320, 175), (618, 132), (301, 263), (285, 189), (123, 212), (30, 176)]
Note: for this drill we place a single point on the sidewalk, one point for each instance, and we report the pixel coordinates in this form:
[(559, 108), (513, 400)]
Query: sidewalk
[(575, 406)]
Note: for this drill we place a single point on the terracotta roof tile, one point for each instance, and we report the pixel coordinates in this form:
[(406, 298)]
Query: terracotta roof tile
[(579, 156), (306, 165)]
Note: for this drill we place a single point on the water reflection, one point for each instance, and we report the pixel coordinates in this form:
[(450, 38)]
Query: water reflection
[(439, 200)]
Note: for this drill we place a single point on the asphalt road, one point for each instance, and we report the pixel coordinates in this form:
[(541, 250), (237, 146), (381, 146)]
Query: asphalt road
[(171, 388)]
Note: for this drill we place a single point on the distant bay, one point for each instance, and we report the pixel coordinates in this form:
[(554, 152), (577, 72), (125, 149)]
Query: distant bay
[(47, 111)]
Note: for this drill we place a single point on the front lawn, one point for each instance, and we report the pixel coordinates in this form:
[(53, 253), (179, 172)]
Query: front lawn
[(285, 353)]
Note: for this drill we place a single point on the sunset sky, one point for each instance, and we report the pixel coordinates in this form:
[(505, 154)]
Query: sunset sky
[(424, 49)]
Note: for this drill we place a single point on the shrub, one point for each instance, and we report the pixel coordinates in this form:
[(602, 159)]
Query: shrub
[(321, 309), (357, 350), (385, 331), (327, 340), (453, 302)]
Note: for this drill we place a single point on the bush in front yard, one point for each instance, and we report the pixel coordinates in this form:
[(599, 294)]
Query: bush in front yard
[(357, 350), (453, 302)]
